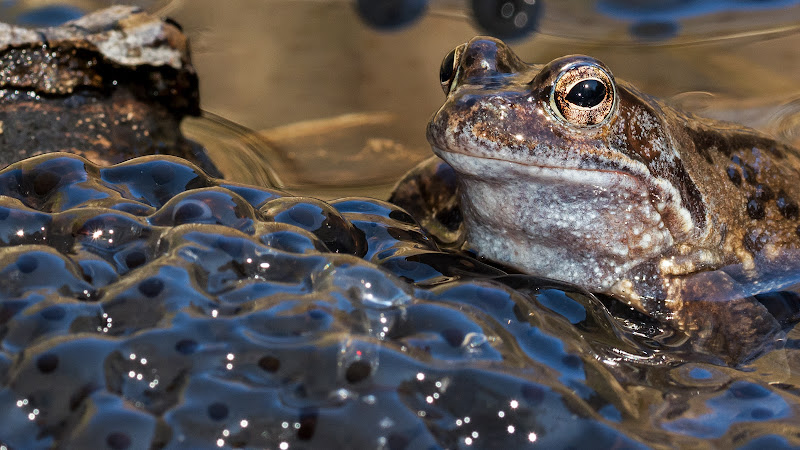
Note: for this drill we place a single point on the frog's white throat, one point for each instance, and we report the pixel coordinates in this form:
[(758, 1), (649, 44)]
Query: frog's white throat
[(588, 227)]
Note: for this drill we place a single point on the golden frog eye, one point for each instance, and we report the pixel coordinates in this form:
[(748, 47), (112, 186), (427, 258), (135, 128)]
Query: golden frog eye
[(583, 95)]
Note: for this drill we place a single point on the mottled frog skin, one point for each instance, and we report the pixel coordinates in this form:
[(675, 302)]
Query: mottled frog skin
[(567, 173)]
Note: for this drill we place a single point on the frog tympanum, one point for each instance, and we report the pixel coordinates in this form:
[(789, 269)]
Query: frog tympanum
[(566, 173)]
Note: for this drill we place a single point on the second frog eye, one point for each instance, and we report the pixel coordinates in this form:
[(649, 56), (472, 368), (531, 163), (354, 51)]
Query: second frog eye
[(583, 94), (448, 70)]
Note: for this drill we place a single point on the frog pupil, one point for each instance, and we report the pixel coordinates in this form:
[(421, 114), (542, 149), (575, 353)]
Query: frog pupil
[(587, 93), (446, 71)]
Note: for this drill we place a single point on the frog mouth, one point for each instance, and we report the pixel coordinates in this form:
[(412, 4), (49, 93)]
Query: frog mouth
[(541, 216), (591, 186), (500, 169)]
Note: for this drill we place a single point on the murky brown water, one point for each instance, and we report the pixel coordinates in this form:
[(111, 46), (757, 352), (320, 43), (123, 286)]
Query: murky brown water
[(336, 100)]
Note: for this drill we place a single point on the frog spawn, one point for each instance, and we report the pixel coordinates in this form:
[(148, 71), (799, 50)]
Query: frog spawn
[(149, 305)]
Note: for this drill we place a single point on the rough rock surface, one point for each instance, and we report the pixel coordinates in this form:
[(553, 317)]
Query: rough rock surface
[(109, 86)]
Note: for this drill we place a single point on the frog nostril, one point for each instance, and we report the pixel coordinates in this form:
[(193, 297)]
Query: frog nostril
[(488, 57), (482, 58)]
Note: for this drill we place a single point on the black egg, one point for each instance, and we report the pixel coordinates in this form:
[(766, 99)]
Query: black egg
[(390, 14), (321, 219), (507, 19)]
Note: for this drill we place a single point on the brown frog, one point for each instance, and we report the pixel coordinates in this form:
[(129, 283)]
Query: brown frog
[(565, 172)]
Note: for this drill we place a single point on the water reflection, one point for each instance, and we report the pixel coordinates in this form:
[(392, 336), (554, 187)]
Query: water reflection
[(507, 19), (672, 11), (51, 13), (645, 21), (654, 22), (240, 154), (390, 14)]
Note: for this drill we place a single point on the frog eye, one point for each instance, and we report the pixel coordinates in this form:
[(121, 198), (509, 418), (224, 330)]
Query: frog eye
[(583, 95), (448, 70)]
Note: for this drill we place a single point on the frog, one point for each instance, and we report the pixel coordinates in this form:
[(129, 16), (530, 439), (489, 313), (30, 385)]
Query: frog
[(562, 171)]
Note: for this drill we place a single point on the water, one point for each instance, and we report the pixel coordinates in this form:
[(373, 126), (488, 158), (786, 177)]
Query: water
[(340, 108), (141, 315)]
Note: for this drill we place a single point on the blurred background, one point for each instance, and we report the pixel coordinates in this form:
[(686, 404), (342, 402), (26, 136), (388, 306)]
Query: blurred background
[(334, 95)]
